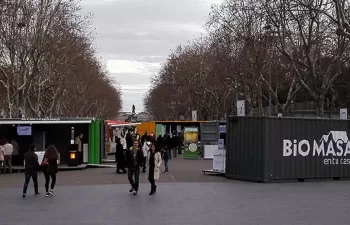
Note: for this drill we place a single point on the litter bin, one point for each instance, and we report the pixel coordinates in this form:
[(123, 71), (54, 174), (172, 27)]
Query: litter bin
[(73, 159)]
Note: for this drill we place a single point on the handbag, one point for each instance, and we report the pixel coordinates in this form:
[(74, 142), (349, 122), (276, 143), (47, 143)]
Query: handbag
[(45, 162)]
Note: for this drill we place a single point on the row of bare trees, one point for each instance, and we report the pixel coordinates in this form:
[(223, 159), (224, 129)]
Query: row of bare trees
[(277, 52), (48, 67)]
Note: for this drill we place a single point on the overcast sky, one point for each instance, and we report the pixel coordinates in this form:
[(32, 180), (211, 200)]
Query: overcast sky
[(135, 36)]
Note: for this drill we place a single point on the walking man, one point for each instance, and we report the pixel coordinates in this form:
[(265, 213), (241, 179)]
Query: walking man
[(31, 169), (134, 158)]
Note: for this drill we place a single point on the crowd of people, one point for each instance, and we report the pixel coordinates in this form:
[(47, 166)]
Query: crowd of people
[(133, 154), (146, 154)]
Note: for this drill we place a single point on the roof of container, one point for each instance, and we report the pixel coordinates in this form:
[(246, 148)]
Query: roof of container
[(179, 121)]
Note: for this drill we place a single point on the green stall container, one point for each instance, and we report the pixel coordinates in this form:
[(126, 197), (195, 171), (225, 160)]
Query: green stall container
[(95, 142)]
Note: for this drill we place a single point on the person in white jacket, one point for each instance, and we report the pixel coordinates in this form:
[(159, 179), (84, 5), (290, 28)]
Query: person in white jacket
[(123, 140), (8, 156), (145, 148)]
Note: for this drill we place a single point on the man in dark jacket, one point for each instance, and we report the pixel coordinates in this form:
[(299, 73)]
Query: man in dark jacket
[(31, 169), (134, 160)]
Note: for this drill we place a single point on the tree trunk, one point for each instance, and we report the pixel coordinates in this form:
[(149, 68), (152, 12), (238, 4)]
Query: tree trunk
[(320, 106)]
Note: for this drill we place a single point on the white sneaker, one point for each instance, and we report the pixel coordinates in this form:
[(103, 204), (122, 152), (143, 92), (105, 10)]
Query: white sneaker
[(51, 192)]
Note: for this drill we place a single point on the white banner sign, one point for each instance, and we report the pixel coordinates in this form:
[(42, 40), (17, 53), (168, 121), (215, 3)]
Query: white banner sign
[(240, 108), (194, 115), (344, 114)]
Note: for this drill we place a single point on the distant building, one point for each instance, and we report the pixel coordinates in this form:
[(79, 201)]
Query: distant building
[(143, 116)]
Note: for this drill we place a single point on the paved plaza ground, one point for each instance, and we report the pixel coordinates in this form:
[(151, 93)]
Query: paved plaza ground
[(184, 197)]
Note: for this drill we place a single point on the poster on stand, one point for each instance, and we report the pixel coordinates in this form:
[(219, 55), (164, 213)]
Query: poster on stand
[(191, 143), (218, 160)]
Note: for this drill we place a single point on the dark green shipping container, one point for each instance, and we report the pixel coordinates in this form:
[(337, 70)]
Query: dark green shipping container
[(275, 149)]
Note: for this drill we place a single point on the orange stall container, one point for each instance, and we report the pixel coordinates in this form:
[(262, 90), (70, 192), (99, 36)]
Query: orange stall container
[(146, 127)]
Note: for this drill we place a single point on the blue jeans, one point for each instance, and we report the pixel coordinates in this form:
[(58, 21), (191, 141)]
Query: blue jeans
[(166, 165), (169, 153), (134, 176), (34, 176)]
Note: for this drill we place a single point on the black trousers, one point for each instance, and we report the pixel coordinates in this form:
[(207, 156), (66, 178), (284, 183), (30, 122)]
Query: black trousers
[(34, 176), (80, 157), (134, 177), (121, 166), (47, 180), (152, 181), (144, 164)]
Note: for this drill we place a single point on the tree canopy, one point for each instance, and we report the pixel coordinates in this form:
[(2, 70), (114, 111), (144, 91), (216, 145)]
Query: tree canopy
[(295, 51), (48, 67)]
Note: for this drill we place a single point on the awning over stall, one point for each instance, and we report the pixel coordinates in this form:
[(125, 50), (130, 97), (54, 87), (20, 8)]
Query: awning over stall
[(46, 121)]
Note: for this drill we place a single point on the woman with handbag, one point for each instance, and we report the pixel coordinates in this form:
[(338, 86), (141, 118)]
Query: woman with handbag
[(50, 168), (153, 162)]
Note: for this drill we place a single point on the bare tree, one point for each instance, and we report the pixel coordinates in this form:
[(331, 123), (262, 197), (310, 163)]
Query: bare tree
[(265, 52), (47, 62)]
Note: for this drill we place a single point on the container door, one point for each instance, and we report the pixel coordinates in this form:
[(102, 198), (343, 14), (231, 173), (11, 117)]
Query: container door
[(159, 130), (40, 140), (163, 130), (178, 128), (209, 135)]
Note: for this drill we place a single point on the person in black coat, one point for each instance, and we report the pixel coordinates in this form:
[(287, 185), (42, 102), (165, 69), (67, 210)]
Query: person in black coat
[(168, 144), (31, 169), (160, 143), (134, 161), (143, 138), (129, 140), (120, 157)]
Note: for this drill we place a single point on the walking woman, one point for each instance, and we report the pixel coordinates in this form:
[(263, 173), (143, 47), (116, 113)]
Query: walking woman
[(31, 168), (134, 159), (120, 156), (153, 162), (50, 169)]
